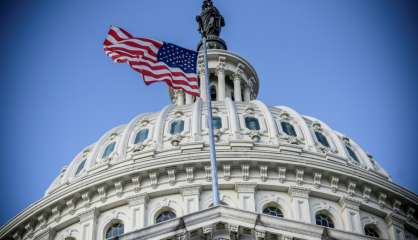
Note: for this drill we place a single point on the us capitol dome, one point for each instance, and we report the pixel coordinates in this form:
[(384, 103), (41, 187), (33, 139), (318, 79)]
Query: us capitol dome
[(282, 175)]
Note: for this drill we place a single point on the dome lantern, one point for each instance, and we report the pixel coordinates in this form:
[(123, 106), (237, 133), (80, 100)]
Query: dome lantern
[(230, 76)]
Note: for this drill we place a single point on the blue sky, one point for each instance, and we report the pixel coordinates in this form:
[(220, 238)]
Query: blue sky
[(351, 63)]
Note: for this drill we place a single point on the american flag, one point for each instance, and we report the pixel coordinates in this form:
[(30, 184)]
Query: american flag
[(156, 61)]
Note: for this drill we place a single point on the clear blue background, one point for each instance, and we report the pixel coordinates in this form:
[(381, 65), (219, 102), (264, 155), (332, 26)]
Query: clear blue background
[(350, 63)]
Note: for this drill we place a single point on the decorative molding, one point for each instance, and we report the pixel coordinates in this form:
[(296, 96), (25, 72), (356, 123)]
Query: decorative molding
[(30, 228), (233, 228), (71, 205), (138, 199), (382, 200), (299, 192), (56, 213), (153, 177), (208, 173), (263, 173), (351, 203), (165, 203), (317, 179), (334, 183), (366, 193), (227, 172), (282, 174), (189, 174), (245, 188), (207, 229), (171, 176), (136, 181), (42, 220), (88, 215), (245, 169), (86, 197), (260, 235), (299, 176), (190, 191), (397, 206), (102, 193), (351, 188), (410, 213), (119, 188), (17, 235)]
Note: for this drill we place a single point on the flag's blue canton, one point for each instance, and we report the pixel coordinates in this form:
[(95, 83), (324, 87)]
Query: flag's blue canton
[(175, 56)]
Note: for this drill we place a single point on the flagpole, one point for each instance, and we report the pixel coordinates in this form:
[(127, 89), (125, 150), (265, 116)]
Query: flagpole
[(213, 165)]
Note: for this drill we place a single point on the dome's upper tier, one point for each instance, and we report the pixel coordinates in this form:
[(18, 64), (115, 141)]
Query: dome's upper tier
[(234, 122)]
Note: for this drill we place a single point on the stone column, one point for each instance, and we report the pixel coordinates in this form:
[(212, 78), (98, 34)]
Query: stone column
[(191, 196), (88, 223), (237, 86), (395, 226), (300, 204), (189, 98), (246, 196), (351, 214), (180, 97), (221, 79), (201, 69), (137, 204), (247, 94)]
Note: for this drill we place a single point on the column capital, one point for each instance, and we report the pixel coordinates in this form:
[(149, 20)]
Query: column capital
[(245, 188), (299, 192), (191, 191), (351, 203), (221, 64), (395, 219), (88, 215), (138, 199)]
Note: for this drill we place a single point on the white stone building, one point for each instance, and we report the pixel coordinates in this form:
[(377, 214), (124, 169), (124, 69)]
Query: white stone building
[(282, 175)]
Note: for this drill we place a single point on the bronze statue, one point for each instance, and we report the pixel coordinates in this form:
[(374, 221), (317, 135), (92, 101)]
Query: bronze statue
[(210, 20)]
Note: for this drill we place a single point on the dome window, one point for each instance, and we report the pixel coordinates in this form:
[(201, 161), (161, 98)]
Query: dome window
[(252, 123), (324, 220), (114, 231), (371, 231), (108, 150), (273, 211), (141, 136), (217, 122), (288, 129), (165, 216), (322, 139), (80, 167), (352, 154), (177, 127)]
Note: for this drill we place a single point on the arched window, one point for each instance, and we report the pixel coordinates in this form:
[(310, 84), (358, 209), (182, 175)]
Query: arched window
[(217, 122), (371, 231), (177, 127), (273, 211), (80, 167), (213, 93), (324, 220), (252, 123), (322, 139), (141, 136), (288, 129), (114, 231), (108, 150), (352, 153), (165, 216)]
